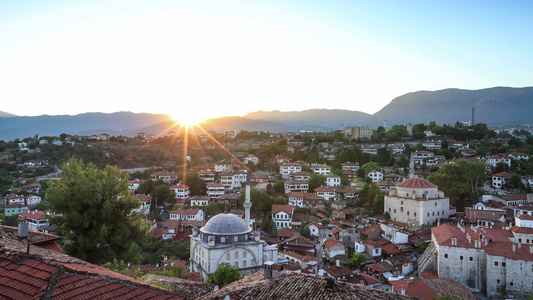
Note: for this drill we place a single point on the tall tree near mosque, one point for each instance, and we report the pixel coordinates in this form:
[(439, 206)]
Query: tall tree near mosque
[(462, 181), (93, 207)]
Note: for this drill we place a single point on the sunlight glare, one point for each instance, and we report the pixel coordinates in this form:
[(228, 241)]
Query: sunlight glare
[(187, 118)]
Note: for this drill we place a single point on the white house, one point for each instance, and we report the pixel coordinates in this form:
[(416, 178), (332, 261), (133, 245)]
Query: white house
[(333, 180), (499, 180), (215, 189), (375, 176), (135, 183), (199, 201), (287, 169), (282, 215), (296, 186), (32, 200), (320, 169), (350, 166), (251, 159), (181, 190), (146, 202), (190, 214)]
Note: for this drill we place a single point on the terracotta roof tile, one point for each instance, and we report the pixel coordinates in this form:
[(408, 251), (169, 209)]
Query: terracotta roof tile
[(416, 182), (293, 286)]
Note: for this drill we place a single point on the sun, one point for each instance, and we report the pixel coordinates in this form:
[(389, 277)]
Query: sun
[(187, 119)]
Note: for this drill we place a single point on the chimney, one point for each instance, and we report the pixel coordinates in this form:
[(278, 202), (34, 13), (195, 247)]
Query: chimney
[(514, 247), (23, 228), (337, 263), (267, 269), (195, 231), (403, 289), (519, 245), (330, 283), (531, 249)]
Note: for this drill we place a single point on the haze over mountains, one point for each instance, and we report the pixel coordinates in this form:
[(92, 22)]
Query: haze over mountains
[(494, 106)]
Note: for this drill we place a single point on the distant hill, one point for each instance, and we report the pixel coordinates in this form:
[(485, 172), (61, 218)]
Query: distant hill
[(4, 114), (330, 118), (493, 106), (21, 127), (236, 123)]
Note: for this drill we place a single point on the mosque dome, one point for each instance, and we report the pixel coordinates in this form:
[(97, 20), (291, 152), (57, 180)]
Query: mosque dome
[(225, 224)]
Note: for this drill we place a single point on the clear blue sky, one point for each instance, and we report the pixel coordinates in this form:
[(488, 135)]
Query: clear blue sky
[(216, 58)]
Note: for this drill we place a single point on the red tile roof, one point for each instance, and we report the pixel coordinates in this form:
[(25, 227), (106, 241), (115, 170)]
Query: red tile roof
[(330, 243), (276, 208), (44, 274), (414, 288), (416, 182)]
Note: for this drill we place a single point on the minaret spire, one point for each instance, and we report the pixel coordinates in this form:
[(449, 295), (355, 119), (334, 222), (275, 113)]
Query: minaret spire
[(247, 202), (412, 166)]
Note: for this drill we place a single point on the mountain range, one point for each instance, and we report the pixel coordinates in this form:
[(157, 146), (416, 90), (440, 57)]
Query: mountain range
[(493, 106)]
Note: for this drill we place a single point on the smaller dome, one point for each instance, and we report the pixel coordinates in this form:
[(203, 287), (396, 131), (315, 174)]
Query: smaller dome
[(225, 224)]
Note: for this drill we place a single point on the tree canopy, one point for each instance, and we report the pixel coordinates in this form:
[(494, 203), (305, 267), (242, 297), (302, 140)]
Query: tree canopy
[(94, 211), (195, 183), (462, 181), (224, 275)]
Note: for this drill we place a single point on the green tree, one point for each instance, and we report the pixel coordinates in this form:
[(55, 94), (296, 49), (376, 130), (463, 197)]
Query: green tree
[(325, 221), (163, 193), (357, 259), (224, 275), (279, 187), (515, 180), (261, 201), (195, 183), (462, 181), (94, 211), (146, 187), (316, 180)]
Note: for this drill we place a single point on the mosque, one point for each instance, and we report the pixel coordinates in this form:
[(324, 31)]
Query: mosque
[(226, 238)]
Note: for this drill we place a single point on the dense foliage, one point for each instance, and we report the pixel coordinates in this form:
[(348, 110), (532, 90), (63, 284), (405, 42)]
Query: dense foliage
[(94, 210)]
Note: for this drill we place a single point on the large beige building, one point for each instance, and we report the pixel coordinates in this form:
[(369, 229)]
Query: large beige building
[(358, 132), (417, 201)]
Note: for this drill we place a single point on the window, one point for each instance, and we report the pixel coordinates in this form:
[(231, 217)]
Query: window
[(401, 209), (244, 264), (519, 240), (446, 255), (236, 239), (402, 202), (433, 213), (443, 213), (395, 210), (511, 283), (228, 257), (237, 264), (389, 209), (253, 262), (461, 257), (503, 264), (496, 263), (415, 214), (222, 239), (428, 214), (244, 255), (471, 258), (407, 212), (237, 255), (435, 203), (498, 281)]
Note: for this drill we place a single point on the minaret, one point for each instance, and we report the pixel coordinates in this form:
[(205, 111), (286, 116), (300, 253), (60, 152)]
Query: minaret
[(473, 109), (412, 166), (247, 203)]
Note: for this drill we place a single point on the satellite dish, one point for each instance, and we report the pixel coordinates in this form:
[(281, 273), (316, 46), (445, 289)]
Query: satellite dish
[(215, 288)]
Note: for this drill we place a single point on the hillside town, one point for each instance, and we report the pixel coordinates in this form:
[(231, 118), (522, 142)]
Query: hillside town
[(410, 211)]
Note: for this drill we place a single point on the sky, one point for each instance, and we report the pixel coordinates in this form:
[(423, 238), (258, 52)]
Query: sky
[(205, 59)]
